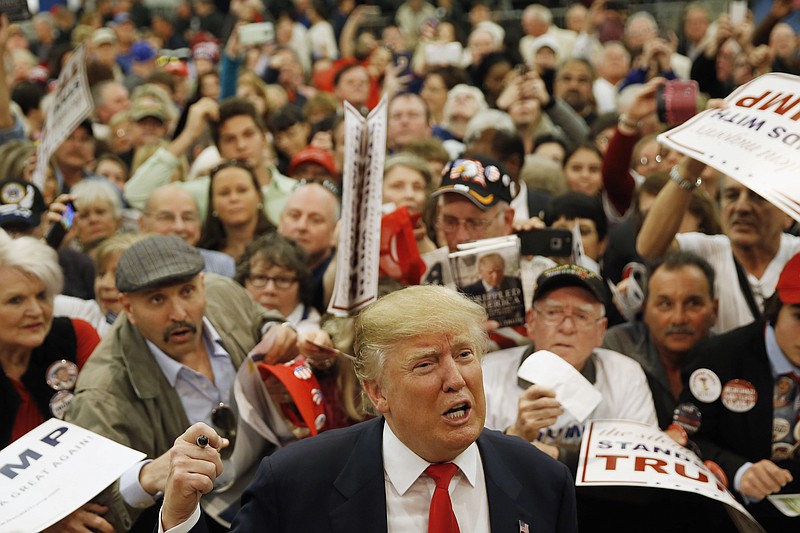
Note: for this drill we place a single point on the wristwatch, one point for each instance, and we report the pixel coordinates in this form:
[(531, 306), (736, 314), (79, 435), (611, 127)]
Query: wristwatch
[(683, 183)]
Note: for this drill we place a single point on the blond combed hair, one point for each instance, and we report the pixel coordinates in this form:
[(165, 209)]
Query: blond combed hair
[(417, 311)]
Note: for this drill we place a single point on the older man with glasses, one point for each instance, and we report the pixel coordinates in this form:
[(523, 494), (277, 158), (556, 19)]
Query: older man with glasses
[(568, 319), (170, 360), (474, 201)]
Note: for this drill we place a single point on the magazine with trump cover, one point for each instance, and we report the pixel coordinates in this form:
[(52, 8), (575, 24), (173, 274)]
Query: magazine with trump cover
[(488, 272)]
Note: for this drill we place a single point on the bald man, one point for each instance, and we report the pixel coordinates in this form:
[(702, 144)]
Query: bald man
[(172, 210)]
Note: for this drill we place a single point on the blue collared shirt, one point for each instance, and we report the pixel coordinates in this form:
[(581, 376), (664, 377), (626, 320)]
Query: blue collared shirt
[(198, 394)]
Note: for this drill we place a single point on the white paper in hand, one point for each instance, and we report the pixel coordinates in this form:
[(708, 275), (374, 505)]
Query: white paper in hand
[(576, 394)]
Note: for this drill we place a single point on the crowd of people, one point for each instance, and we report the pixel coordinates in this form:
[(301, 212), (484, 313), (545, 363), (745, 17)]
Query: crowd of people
[(201, 206)]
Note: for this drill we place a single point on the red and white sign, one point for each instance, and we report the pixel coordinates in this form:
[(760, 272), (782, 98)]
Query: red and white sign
[(626, 453), (755, 140)]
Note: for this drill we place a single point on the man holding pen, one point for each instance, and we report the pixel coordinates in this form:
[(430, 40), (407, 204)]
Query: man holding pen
[(169, 360)]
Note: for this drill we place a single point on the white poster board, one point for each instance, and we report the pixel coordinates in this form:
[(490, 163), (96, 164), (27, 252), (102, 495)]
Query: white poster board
[(358, 253), (755, 140), (71, 104), (627, 453), (53, 470)]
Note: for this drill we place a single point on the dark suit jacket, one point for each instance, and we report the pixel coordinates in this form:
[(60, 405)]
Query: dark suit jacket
[(477, 289), (335, 483), (731, 439)]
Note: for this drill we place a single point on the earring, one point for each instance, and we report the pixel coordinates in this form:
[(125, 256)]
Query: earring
[(214, 214), (260, 205)]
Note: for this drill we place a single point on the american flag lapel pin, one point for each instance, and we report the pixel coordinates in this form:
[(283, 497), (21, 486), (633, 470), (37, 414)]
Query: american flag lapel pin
[(523, 527)]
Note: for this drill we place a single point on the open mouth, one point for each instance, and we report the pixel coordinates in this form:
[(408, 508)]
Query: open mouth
[(458, 412)]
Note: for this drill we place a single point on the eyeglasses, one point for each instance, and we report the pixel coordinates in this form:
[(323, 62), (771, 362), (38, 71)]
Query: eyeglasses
[(170, 218), (553, 315), (282, 282), (450, 223), (224, 421), (330, 186)]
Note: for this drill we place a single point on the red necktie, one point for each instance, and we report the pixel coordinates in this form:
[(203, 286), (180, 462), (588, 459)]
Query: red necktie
[(441, 518)]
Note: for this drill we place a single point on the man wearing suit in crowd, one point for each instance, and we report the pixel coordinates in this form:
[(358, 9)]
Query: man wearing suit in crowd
[(745, 384), (167, 362), (491, 268), (418, 359)]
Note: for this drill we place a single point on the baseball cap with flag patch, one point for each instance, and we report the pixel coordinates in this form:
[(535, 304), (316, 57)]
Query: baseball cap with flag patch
[(481, 179)]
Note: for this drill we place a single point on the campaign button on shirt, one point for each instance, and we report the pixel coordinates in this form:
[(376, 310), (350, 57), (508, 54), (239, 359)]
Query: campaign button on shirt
[(59, 403), (739, 395), (688, 416), (62, 375), (780, 428), (781, 451), (705, 385)]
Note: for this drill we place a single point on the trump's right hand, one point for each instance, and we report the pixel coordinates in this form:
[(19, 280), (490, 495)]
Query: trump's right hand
[(192, 471)]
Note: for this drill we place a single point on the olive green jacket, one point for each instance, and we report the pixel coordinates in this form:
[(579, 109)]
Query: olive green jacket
[(123, 395)]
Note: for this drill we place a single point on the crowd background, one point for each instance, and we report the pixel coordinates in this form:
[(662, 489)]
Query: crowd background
[(231, 137)]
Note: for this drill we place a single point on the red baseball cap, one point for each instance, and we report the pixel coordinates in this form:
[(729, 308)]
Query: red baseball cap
[(789, 283), (304, 405), (312, 154)]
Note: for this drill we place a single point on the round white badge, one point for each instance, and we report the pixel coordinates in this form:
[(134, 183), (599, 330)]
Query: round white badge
[(59, 403), (705, 385), (62, 375), (780, 428), (781, 451), (739, 395)]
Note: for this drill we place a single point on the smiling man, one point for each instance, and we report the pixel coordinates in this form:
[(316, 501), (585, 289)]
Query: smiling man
[(168, 361), (422, 374)]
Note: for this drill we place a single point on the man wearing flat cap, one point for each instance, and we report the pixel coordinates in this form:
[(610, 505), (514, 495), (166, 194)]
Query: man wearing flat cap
[(169, 361)]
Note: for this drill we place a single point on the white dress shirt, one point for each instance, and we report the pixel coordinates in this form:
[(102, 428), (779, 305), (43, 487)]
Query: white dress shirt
[(409, 491)]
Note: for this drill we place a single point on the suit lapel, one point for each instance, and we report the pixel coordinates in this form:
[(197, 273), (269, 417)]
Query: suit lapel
[(361, 486), (757, 370), (502, 488)]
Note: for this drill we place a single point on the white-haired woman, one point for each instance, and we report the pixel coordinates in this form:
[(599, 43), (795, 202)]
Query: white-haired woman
[(40, 355), (99, 211)]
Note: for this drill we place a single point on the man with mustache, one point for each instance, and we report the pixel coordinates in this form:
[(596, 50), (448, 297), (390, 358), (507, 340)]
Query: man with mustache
[(169, 359), (679, 310), (747, 259)]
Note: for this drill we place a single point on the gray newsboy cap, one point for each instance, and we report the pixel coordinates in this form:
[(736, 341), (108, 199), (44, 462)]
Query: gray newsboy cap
[(157, 261)]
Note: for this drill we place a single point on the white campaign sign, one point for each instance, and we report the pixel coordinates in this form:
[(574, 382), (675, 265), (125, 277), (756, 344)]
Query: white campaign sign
[(71, 104), (358, 253), (627, 453), (755, 140), (53, 470)]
